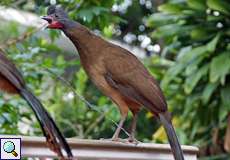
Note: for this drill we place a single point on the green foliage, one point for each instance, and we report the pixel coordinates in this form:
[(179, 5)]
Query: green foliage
[(220, 67), (34, 55), (222, 6), (94, 14), (196, 38), (194, 69)]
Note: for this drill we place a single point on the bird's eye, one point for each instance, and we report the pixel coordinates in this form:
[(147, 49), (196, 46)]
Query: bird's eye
[(56, 16)]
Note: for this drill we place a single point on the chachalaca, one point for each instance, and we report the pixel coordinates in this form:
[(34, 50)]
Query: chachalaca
[(118, 74), (11, 81)]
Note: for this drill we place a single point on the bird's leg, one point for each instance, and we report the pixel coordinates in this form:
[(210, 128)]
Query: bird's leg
[(133, 129), (118, 130), (124, 109)]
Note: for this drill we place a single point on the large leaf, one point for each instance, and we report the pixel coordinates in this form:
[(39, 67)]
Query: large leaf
[(199, 51), (171, 30), (220, 67), (192, 54), (183, 51), (225, 97), (86, 15), (171, 74), (199, 33), (193, 79), (208, 91), (211, 46), (197, 4), (219, 5), (183, 60), (159, 19), (193, 66), (170, 8), (98, 10)]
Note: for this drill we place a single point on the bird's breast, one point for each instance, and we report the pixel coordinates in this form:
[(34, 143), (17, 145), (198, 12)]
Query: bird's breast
[(96, 72)]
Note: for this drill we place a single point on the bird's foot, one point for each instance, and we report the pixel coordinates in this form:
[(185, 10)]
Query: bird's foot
[(115, 140), (127, 140), (133, 140)]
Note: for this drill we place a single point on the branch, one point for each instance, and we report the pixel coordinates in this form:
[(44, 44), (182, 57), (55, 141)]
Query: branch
[(98, 120), (21, 38)]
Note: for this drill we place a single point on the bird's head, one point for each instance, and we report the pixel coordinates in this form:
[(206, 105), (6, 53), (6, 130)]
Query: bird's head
[(56, 17)]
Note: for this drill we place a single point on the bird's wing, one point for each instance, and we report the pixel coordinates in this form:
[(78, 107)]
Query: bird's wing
[(128, 75), (10, 72)]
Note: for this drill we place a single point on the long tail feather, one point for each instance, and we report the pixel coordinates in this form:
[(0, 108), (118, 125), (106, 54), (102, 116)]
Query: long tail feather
[(48, 126), (173, 140)]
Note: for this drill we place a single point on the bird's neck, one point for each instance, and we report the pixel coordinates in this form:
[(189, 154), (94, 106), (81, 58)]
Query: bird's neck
[(81, 37)]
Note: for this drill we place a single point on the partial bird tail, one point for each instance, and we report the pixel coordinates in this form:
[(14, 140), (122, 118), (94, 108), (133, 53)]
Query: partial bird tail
[(165, 119), (49, 128)]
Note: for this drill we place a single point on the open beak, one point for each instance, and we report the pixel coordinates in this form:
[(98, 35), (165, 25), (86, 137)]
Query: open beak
[(53, 24), (49, 19)]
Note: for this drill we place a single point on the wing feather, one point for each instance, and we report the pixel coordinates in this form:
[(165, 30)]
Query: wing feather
[(128, 75)]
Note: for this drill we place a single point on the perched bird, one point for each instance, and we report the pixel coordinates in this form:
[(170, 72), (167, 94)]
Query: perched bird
[(11, 81), (118, 74)]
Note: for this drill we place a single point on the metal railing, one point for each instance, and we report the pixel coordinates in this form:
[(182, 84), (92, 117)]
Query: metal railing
[(103, 150)]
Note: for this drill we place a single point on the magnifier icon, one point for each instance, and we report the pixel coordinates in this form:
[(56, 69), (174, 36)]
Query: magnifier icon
[(9, 147)]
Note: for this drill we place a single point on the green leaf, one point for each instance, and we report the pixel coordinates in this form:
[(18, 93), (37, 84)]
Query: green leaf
[(183, 59), (171, 74), (108, 31), (193, 79), (171, 30), (225, 97), (60, 61), (199, 33), (208, 91), (193, 54), (197, 4), (213, 18), (219, 5), (220, 67), (199, 51), (86, 15), (170, 8), (82, 78), (159, 19), (97, 10), (193, 66), (211, 46)]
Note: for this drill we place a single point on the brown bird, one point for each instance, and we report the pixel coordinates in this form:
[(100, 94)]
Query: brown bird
[(118, 74), (11, 81)]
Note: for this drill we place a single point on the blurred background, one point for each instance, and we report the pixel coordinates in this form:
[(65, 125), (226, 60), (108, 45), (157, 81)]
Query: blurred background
[(184, 43)]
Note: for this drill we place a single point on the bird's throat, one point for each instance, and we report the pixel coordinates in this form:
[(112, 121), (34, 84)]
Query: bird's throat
[(81, 38)]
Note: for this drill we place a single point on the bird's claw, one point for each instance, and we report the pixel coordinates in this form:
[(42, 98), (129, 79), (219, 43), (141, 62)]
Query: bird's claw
[(133, 140), (114, 140), (127, 140)]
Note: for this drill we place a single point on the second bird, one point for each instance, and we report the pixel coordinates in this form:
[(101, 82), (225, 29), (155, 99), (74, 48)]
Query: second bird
[(11, 81), (118, 74)]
